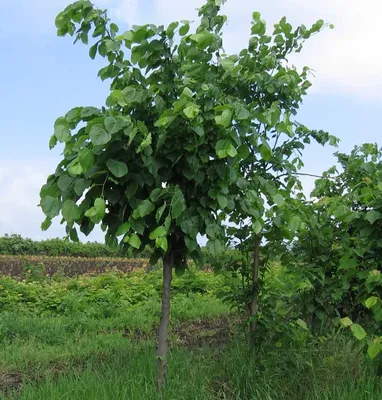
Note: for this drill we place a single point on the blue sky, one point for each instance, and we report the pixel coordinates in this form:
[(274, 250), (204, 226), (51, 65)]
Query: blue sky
[(43, 76)]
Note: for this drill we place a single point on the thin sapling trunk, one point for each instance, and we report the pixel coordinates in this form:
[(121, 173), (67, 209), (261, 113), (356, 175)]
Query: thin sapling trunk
[(162, 351), (254, 306)]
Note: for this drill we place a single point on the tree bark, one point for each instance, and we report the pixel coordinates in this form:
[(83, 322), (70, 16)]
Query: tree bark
[(254, 306), (162, 351)]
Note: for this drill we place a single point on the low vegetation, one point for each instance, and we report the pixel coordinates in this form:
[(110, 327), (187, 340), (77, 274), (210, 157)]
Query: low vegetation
[(94, 337)]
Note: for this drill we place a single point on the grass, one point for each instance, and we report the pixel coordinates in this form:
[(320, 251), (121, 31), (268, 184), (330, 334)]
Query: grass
[(103, 352)]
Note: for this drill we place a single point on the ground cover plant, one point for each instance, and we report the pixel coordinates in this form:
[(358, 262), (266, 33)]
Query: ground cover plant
[(94, 337)]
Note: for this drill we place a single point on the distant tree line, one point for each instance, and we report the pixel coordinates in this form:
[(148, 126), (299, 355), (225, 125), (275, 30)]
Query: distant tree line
[(17, 245)]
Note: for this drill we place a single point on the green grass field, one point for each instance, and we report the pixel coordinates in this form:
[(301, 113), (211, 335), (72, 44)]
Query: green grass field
[(94, 338)]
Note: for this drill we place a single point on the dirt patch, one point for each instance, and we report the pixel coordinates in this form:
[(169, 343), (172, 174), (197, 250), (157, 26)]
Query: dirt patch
[(45, 266), (137, 334), (10, 381), (13, 381), (214, 332)]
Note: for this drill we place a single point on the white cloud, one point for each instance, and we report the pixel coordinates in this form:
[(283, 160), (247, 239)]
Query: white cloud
[(125, 10), (20, 184), (346, 60)]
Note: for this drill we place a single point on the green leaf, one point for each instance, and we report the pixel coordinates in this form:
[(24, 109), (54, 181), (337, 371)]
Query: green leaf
[(64, 182), (191, 111), (114, 125), (373, 349), (50, 206), (86, 158), (294, 223), (117, 168), (215, 247), (129, 36), (358, 331), (278, 199), (88, 112), (146, 142), (302, 324), (224, 119), (99, 136), (225, 148), (165, 121), (259, 28), (161, 242), (123, 229), (171, 28), (135, 241), (231, 151), (203, 39), (178, 204), (74, 115), (114, 29), (52, 142), (160, 212), (70, 211), (257, 226), (184, 29), (222, 200), (46, 224), (62, 131), (345, 322), (199, 130), (228, 64), (373, 216), (146, 207), (266, 152), (371, 301), (158, 232), (243, 151), (100, 206), (97, 212), (347, 262), (241, 112), (75, 169), (256, 16), (93, 51), (80, 185)]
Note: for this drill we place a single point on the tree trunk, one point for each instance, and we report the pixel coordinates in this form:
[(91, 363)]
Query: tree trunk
[(254, 306), (162, 351)]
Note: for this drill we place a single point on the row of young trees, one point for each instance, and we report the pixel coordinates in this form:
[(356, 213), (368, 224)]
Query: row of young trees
[(190, 141), (330, 248)]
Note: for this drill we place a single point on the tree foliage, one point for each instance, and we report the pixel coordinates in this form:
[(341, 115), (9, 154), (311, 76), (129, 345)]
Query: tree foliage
[(341, 245), (188, 137), (181, 126)]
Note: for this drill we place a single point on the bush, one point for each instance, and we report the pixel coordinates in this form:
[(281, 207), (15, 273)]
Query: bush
[(99, 295)]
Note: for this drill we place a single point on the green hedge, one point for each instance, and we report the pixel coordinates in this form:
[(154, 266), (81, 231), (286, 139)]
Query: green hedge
[(17, 245)]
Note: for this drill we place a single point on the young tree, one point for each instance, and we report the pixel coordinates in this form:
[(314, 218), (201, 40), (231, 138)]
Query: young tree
[(160, 162), (350, 206), (270, 170)]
